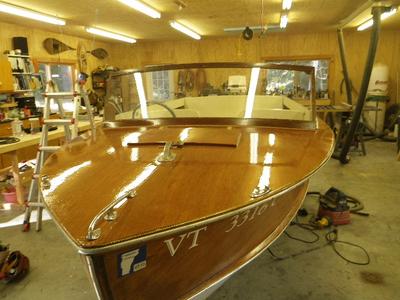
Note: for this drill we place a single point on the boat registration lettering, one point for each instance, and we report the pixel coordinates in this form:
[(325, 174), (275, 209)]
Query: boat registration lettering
[(173, 248), (248, 215), (132, 261)]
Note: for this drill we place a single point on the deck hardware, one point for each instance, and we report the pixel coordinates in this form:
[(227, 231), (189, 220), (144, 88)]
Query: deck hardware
[(108, 213), (179, 144), (111, 215), (260, 191), (93, 235), (166, 155), (46, 182)]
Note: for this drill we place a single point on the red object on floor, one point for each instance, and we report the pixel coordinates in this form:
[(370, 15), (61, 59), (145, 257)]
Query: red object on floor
[(10, 197), (338, 217)]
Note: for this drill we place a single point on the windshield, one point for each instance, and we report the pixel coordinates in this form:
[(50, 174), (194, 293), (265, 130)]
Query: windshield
[(224, 90)]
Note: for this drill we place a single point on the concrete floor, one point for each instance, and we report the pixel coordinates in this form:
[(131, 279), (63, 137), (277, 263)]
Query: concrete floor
[(57, 273)]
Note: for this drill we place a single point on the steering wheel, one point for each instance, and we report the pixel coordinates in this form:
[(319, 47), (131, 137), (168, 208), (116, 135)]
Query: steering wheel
[(155, 103)]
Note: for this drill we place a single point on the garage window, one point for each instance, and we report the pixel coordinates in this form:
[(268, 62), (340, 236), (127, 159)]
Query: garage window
[(62, 77), (296, 84)]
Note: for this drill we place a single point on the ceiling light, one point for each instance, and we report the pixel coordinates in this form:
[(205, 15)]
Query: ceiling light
[(30, 14), (254, 28), (370, 22), (286, 4), (387, 14), (143, 8), (284, 21), (365, 25), (110, 35), (185, 30)]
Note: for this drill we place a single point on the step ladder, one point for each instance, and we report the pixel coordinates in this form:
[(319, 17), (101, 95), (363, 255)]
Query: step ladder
[(70, 125)]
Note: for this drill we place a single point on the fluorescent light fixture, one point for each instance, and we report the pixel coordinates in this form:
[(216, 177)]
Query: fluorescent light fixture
[(387, 14), (142, 95), (254, 28), (255, 72), (143, 8), (185, 30), (110, 35), (370, 22), (286, 4), (365, 25), (284, 21), (30, 14)]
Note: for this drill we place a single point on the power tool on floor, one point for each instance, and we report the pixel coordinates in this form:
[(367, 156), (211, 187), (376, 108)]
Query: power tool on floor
[(333, 205)]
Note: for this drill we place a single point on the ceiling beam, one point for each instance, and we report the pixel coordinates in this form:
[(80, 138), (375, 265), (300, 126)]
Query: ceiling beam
[(361, 9)]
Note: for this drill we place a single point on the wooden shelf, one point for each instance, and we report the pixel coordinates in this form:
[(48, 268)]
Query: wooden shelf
[(17, 55), (21, 70), (23, 91), (7, 105)]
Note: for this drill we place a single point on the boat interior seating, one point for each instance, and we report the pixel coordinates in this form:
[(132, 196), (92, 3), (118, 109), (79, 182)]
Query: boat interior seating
[(266, 107)]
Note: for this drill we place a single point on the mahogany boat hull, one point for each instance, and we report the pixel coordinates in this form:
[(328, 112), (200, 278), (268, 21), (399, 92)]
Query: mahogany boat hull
[(186, 261)]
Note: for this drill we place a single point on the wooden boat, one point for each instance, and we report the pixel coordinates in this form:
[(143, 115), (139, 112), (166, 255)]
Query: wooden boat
[(168, 208)]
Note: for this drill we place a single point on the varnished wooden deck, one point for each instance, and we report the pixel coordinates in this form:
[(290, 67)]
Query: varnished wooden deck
[(203, 181)]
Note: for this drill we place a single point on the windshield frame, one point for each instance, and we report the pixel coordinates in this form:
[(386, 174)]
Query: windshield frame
[(309, 70)]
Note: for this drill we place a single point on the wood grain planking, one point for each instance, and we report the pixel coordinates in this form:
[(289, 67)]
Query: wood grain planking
[(273, 45), (227, 179)]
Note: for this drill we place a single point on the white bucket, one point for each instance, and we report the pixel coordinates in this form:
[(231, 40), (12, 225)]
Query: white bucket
[(379, 82), (376, 119)]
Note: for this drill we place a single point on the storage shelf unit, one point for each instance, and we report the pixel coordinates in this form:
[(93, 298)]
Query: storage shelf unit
[(19, 71), (22, 72), (99, 79)]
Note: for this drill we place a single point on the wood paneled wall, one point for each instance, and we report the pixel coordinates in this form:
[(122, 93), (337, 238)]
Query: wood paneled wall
[(270, 46), (36, 51)]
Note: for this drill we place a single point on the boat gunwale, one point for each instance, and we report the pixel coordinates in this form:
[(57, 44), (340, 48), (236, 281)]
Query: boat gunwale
[(175, 229), (216, 65)]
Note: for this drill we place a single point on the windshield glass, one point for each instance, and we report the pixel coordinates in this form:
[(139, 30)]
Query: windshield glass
[(212, 91)]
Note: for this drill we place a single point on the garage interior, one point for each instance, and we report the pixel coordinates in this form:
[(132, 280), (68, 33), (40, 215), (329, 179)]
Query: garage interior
[(343, 242)]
